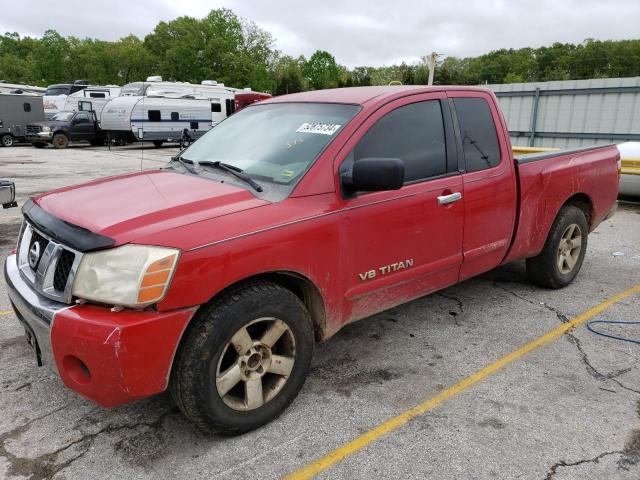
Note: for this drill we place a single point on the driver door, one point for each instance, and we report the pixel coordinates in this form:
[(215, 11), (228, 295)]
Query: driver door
[(404, 243), (83, 127)]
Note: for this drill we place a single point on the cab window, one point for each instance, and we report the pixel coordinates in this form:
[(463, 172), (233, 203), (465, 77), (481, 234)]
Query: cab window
[(81, 118), (477, 129), (413, 133)]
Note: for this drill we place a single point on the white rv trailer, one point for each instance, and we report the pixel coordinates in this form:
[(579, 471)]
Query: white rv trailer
[(155, 86), (18, 89), (163, 119), (99, 96)]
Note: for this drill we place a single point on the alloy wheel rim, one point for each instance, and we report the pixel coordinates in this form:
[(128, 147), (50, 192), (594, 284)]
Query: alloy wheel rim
[(255, 364), (569, 248)]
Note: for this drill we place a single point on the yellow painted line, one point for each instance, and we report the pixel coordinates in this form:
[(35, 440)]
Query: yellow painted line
[(394, 423), (5, 312)]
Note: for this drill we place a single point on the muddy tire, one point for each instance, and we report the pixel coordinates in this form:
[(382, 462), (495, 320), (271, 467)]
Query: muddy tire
[(563, 252), (158, 143), (60, 140), (243, 359), (6, 140), (39, 144)]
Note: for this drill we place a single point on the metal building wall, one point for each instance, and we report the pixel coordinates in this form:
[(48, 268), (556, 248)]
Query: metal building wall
[(571, 113)]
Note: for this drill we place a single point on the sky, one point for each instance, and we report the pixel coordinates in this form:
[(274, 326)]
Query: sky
[(356, 32)]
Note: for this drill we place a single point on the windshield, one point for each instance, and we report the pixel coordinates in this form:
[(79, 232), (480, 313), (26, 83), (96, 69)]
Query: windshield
[(274, 142), (53, 91), (63, 116)]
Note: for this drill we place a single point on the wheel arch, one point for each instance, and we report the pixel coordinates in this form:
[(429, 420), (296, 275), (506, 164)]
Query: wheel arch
[(584, 203), (301, 286), (63, 132)]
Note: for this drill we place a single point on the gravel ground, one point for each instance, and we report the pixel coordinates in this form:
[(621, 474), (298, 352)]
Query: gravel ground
[(570, 409)]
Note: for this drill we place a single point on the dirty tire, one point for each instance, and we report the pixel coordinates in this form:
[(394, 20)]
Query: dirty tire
[(39, 144), (158, 143), (6, 140), (544, 270), (205, 344), (60, 140)]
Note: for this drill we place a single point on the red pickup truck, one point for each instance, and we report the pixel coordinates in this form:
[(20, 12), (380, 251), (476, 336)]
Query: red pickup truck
[(213, 276)]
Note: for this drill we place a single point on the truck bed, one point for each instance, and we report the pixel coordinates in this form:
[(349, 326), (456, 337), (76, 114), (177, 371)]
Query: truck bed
[(588, 176)]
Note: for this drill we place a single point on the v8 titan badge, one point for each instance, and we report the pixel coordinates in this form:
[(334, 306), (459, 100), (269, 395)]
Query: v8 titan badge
[(386, 269)]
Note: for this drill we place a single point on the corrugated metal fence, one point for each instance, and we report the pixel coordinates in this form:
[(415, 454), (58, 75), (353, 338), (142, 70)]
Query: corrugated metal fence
[(571, 113)]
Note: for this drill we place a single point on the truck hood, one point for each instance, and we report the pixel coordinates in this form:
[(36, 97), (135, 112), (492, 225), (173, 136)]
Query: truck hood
[(50, 123), (131, 206)]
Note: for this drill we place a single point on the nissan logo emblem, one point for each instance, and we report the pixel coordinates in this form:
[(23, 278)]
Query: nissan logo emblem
[(34, 255)]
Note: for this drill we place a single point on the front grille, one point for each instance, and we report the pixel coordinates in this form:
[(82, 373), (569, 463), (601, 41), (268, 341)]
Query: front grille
[(63, 269), (52, 275), (33, 129)]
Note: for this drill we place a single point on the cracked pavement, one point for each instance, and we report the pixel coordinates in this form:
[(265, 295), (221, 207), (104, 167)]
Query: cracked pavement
[(568, 410)]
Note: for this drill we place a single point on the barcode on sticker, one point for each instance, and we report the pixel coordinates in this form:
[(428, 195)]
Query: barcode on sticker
[(322, 128)]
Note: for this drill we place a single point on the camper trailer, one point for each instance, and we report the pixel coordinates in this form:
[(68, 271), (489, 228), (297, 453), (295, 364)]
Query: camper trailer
[(67, 97), (16, 111), (155, 86), (18, 88), (161, 111), (163, 119)]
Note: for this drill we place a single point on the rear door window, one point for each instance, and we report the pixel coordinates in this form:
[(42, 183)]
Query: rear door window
[(478, 132), (413, 133)]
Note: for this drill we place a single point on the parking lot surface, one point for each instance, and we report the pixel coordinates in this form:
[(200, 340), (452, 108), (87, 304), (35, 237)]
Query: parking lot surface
[(568, 409)]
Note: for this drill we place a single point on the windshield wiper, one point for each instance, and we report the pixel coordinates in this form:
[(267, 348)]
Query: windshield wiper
[(187, 164), (233, 170)]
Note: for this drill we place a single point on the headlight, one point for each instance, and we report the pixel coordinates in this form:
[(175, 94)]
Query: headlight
[(46, 129), (130, 276)]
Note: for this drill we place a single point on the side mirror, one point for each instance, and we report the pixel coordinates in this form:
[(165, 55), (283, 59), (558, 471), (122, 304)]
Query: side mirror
[(7, 194), (375, 174)]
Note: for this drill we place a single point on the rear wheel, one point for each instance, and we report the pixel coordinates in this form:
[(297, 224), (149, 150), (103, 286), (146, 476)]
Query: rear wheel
[(244, 358), (563, 252), (60, 140), (6, 140), (158, 143)]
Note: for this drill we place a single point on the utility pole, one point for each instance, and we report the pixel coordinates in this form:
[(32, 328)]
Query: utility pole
[(431, 65)]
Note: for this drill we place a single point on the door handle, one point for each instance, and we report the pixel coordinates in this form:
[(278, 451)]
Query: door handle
[(447, 199)]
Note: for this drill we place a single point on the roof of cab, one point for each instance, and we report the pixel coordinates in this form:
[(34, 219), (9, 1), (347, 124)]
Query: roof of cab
[(362, 95)]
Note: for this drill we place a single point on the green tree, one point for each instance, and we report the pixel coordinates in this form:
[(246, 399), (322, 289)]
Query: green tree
[(321, 70), (362, 76), (287, 73)]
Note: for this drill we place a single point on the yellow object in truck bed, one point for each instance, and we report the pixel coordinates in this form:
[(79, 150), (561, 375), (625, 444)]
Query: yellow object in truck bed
[(630, 166)]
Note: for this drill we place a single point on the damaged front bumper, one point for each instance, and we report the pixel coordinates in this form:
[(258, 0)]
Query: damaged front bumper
[(111, 358), (39, 137)]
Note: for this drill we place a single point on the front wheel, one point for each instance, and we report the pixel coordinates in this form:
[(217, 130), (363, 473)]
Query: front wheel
[(563, 252), (158, 143), (244, 358), (6, 140), (60, 140)]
